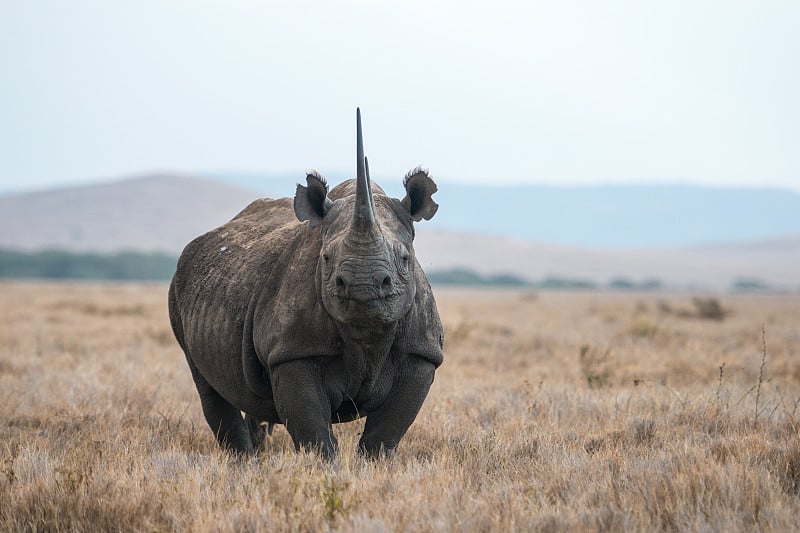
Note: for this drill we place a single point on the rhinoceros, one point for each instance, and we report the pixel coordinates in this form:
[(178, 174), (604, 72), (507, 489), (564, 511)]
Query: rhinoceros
[(312, 311)]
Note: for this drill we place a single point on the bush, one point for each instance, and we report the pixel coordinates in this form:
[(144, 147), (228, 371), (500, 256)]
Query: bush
[(708, 308)]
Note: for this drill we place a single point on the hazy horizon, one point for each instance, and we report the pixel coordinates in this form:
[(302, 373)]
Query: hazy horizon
[(392, 184), (700, 93)]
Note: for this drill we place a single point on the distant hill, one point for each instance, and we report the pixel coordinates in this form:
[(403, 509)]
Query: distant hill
[(148, 213), (163, 213), (611, 216)]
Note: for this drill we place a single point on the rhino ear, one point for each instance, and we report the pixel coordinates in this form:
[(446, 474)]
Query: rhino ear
[(419, 189), (312, 203)]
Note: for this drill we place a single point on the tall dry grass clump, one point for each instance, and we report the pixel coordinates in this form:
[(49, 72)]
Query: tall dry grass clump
[(568, 411)]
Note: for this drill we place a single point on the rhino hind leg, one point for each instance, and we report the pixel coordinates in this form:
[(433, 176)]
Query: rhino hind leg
[(258, 433), (224, 419), (227, 423)]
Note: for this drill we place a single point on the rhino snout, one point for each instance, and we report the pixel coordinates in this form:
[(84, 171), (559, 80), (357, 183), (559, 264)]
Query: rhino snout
[(363, 288)]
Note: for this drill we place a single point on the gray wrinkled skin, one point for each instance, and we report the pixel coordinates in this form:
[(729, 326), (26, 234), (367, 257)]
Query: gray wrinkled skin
[(313, 322)]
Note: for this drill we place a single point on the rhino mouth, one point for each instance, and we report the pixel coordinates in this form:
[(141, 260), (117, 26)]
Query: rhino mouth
[(364, 298)]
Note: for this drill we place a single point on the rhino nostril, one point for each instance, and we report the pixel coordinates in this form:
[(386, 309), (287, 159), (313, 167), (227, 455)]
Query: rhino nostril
[(340, 284), (387, 283)]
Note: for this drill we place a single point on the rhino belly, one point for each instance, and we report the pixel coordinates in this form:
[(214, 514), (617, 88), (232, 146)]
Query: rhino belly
[(214, 346)]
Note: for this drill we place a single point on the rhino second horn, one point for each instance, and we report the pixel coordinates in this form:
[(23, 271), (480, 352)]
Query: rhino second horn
[(369, 183)]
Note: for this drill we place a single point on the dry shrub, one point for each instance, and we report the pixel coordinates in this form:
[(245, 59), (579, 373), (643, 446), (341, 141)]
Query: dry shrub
[(783, 460), (643, 329), (595, 365), (708, 308), (638, 432)]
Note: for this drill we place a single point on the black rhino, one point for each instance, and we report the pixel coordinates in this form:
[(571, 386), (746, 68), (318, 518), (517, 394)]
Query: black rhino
[(312, 311)]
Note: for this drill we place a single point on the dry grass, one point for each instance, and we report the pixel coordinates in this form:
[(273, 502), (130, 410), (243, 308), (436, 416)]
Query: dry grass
[(557, 411)]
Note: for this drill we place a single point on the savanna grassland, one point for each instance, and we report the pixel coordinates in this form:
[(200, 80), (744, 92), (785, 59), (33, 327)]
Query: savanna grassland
[(552, 412)]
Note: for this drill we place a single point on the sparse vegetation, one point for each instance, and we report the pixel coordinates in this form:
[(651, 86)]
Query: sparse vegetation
[(548, 415)]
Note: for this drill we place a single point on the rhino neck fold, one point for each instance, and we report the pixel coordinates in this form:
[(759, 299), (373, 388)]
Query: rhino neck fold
[(366, 347)]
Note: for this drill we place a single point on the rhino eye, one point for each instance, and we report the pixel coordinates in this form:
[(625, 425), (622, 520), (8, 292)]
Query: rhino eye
[(327, 267), (402, 258), (404, 263)]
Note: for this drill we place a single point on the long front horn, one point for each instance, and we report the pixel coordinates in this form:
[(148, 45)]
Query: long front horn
[(364, 217)]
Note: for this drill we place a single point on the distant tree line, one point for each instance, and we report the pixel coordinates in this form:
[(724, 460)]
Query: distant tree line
[(158, 266), (467, 277), (464, 276), (60, 264)]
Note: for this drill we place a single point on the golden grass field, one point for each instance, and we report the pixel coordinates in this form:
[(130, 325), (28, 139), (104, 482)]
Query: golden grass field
[(552, 412)]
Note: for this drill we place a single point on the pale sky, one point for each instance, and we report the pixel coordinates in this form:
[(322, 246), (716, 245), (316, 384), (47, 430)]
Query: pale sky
[(563, 92)]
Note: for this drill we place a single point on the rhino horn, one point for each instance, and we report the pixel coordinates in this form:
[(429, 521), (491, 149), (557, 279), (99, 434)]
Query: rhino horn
[(364, 215)]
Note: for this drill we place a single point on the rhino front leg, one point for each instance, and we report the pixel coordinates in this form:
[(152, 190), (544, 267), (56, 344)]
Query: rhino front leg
[(387, 425), (304, 406)]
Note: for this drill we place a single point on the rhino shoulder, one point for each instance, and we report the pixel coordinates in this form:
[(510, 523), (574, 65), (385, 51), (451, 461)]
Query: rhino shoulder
[(290, 323)]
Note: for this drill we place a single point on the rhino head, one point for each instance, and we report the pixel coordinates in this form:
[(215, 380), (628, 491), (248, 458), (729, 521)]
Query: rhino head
[(366, 266)]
